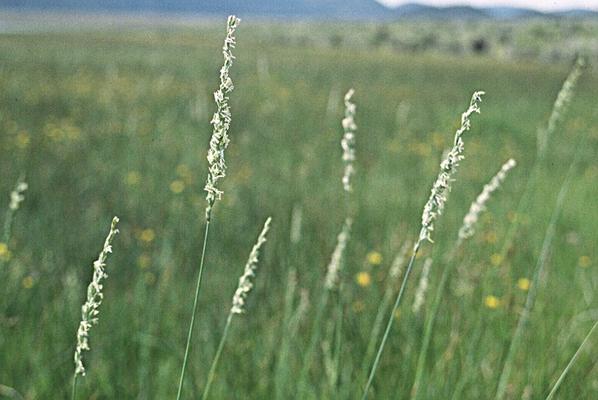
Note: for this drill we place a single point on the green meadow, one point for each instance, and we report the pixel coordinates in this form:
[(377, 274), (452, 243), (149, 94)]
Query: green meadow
[(118, 123)]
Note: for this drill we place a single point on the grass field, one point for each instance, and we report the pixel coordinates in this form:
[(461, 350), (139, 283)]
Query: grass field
[(104, 124)]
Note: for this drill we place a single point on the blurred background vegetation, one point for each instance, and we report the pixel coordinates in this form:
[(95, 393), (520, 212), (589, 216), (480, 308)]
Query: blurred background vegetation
[(117, 123)]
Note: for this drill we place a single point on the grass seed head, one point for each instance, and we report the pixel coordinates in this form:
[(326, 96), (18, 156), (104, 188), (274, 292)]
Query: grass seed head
[(479, 205), (348, 140), (91, 308), (332, 274), (220, 121), (438, 196), (246, 280)]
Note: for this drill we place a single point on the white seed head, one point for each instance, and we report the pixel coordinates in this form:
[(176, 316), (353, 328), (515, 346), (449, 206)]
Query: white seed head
[(246, 280), (348, 140), (332, 274), (479, 205), (422, 287), (220, 121), (16, 196), (448, 167), (91, 308), (561, 105)]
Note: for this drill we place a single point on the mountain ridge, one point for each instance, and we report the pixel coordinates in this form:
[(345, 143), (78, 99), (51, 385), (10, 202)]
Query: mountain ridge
[(308, 9)]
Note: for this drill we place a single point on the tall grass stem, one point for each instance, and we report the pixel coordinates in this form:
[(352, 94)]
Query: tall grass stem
[(195, 301)]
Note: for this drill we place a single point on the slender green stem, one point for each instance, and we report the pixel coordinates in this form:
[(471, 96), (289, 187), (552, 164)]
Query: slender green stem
[(382, 310), (313, 341), (338, 339), (192, 323), (428, 328), (369, 353), (74, 392), (570, 364), (282, 364), (390, 320), (538, 270), (212, 372)]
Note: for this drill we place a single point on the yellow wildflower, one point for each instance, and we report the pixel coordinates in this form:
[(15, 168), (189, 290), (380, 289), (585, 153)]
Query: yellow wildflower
[(492, 302), (363, 279), (27, 282), (584, 261), (23, 139), (177, 186), (3, 249), (132, 178), (374, 258), (523, 283), (147, 235), (496, 259)]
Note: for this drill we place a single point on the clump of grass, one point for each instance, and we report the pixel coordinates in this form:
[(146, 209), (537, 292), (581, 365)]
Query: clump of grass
[(466, 231), (91, 308), (538, 272), (238, 307), (330, 283), (332, 279), (216, 167), (559, 110), (432, 209)]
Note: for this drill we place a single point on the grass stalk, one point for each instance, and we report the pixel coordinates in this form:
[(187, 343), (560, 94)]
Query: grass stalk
[(239, 298), (432, 210), (216, 166), (74, 389), (558, 112), (194, 311), (394, 309), (466, 231), (212, 372), (313, 342), (570, 364), (394, 273), (538, 272), (282, 365)]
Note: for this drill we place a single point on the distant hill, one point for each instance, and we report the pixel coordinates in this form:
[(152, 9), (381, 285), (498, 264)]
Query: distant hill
[(415, 10), (337, 9), (303, 9), (511, 12)]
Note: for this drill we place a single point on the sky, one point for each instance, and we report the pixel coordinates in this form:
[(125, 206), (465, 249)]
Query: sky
[(545, 5)]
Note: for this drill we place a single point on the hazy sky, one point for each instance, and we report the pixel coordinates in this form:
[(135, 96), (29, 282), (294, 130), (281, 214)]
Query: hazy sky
[(537, 4)]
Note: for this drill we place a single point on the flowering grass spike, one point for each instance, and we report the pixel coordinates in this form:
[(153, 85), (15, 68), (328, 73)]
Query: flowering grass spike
[(245, 281), (348, 141), (479, 205), (334, 266), (448, 167), (91, 308), (221, 120)]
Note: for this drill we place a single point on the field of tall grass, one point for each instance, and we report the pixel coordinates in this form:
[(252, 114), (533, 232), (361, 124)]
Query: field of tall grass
[(100, 124)]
